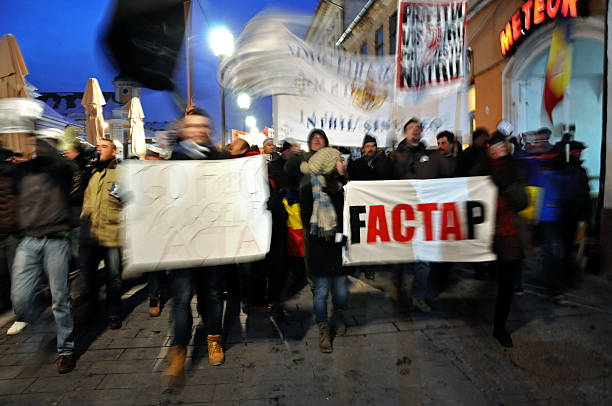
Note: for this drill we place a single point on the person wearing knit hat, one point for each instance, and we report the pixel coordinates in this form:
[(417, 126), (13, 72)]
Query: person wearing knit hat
[(322, 200)]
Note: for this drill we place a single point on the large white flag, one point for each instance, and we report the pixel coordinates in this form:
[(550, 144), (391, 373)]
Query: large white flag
[(182, 214), (435, 220)]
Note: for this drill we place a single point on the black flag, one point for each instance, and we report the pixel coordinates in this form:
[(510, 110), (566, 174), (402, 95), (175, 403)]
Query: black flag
[(144, 40)]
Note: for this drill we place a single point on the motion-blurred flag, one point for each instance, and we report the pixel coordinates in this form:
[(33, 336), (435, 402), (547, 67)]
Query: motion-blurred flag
[(144, 39), (558, 68)]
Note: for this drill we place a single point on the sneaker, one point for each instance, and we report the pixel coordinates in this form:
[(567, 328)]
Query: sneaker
[(115, 323), (16, 328), (421, 304), (215, 352), (504, 338), (65, 363), (154, 308)]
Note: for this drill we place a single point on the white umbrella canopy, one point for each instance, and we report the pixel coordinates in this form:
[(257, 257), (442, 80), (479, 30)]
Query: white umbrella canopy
[(93, 100), (137, 133)]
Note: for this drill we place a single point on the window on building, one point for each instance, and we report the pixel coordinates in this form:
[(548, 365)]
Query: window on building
[(364, 48), (379, 42), (392, 33)]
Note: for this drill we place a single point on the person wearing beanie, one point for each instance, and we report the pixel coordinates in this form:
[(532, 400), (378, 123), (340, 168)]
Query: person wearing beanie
[(510, 177), (364, 168), (316, 139), (322, 199)]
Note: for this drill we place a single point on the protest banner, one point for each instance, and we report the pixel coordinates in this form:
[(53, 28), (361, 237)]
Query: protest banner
[(182, 214), (436, 220)]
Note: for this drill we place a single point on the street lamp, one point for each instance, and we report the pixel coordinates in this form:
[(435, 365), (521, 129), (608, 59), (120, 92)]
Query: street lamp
[(250, 122), (244, 102), (222, 44)]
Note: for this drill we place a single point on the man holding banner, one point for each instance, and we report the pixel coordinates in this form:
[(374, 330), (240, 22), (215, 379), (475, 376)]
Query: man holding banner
[(195, 144), (411, 161)]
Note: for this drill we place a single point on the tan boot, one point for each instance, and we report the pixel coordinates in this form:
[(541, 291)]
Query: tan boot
[(395, 295), (215, 352), (325, 344), (176, 355), (154, 308)]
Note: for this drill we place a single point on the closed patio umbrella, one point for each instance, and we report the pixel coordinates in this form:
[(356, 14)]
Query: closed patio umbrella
[(93, 100), (12, 84), (137, 133)]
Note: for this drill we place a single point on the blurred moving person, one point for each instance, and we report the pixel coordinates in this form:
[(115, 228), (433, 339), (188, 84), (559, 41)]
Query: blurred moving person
[(43, 185), (510, 178), (101, 232), (195, 144)]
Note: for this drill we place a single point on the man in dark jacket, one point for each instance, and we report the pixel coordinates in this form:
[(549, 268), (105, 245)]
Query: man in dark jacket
[(8, 225), (412, 161), (43, 185), (474, 152), (364, 168), (195, 144)]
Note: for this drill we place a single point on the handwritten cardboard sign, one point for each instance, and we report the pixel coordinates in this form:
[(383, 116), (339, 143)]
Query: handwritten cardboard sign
[(183, 214)]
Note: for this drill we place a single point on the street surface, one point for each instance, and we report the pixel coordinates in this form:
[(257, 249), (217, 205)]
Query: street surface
[(562, 353)]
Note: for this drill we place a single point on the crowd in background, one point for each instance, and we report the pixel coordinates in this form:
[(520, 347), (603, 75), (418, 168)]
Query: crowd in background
[(63, 211)]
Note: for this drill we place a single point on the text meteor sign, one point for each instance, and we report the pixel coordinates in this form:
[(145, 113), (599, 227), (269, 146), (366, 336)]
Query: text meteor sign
[(532, 14)]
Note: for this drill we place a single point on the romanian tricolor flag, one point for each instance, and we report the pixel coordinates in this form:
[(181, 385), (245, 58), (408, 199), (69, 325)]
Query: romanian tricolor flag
[(558, 68)]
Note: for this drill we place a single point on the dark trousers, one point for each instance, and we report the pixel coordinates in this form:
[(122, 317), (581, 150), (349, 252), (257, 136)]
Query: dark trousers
[(90, 257), (551, 247), (506, 274), (8, 246), (184, 281)]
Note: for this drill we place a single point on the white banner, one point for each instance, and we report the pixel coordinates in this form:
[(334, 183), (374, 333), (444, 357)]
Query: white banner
[(434, 220), (182, 214)]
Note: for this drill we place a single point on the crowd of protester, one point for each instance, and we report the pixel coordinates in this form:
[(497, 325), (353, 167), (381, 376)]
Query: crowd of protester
[(64, 211)]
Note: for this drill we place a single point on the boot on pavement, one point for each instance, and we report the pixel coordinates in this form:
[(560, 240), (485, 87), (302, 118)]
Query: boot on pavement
[(154, 308), (339, 323), (215, 352), (325, 344), (395, 295), (176, 355)]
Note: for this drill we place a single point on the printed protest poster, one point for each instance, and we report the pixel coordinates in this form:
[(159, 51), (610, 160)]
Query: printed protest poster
[(431, 67), (182, 214), (436, 220)]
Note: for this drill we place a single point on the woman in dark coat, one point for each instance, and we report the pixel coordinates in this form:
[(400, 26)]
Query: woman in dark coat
[(511, 179), (322, 198)]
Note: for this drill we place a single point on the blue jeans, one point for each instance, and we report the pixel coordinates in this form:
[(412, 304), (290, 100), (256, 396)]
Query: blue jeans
[(90, 257), (209, 282), (51, 256), (421, 276), (322, 285)]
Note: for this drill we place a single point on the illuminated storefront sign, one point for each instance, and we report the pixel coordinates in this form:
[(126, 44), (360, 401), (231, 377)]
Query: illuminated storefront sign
[(532, 14)]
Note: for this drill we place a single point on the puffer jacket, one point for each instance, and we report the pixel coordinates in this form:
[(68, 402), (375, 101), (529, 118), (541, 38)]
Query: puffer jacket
[(101, 217)]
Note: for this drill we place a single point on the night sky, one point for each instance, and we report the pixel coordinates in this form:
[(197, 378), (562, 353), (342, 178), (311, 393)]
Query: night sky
[(60, 42)]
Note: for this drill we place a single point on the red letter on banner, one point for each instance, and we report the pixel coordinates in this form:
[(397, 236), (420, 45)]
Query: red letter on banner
[(550, 10), (538, 12), (427, 208), (527, 11), (516, 25), (396, 219), (377, 225), (450, 210), (569, 5)]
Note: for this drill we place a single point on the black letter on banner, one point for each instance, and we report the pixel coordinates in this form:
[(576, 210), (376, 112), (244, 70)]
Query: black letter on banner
[(472, 220), (356, 224)]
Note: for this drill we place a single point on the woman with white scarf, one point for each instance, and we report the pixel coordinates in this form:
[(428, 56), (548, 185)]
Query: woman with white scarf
[(322, 198)]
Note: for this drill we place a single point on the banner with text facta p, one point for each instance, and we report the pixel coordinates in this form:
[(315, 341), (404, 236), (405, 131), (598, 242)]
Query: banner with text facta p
[(184, 214), (437, 220)]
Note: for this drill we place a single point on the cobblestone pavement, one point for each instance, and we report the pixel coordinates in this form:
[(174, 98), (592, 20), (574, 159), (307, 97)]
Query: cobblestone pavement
[(562, 354)]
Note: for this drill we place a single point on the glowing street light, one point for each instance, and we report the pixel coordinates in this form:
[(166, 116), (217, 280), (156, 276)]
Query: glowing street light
[(251, 121), (222, 44), (244, 101)]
